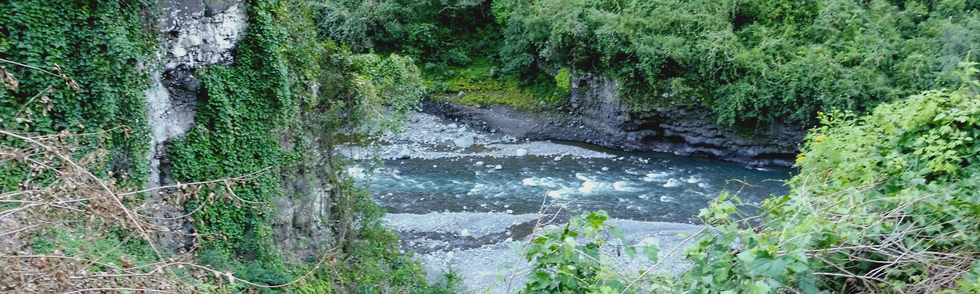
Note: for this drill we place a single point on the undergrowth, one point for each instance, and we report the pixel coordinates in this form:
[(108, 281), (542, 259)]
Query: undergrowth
[(481, 84), (62, 64), (883, 203), (887, 202)]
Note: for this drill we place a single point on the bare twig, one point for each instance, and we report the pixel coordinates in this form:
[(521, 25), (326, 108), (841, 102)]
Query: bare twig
[(107, 190)]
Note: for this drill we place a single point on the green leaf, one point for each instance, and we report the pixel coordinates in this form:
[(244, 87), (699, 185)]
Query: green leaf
[(631, 251), (596, 219), (773, 268), (651, 252)]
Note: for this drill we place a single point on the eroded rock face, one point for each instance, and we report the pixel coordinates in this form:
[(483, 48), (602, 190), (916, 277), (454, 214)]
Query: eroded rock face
[(201, 32), (679, 130), (596, 115), (193, 34), (302, 223)]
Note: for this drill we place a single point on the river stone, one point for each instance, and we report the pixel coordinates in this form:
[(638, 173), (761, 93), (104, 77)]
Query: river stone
[(403, 153), (464, 141)]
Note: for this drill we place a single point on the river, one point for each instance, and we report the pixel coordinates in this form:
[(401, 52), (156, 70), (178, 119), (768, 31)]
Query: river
[(452, 191)]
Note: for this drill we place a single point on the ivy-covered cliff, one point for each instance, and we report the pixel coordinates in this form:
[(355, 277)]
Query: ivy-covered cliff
[(209, 127)]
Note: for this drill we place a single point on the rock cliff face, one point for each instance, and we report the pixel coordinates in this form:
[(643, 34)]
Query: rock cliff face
[(201, 32), (193, 33), (596, 115), (304, 219), (198, 33)]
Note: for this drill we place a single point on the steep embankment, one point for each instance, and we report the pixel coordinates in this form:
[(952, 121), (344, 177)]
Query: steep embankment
[(198, 40), (187, 134), (191, 35), (267, 100)]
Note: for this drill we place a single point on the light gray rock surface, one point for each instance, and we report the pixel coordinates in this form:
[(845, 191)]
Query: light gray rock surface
[(192, 34), (201, 32), (428, 137)]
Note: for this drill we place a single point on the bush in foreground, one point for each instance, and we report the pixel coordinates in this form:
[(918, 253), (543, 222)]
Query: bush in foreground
[(889, 202), (885, 203)]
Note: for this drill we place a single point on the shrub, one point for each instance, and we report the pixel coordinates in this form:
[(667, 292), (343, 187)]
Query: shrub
[(887, 202), (385, 90), (425, 29), (570, 259)]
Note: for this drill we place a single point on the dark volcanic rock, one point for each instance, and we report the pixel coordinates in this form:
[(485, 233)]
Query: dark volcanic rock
[(597, 116)]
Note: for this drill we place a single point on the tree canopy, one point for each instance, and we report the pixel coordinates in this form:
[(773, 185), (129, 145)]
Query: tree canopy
[(749, 61)]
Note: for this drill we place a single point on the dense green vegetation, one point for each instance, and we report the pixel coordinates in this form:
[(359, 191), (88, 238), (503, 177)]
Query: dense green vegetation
[(750, 62), (234, 135), (569, 260), (284, 78), (81, 67), (446, 32), (477, 85), (61, 69), (455, 43), (81, 50), (887, 203)]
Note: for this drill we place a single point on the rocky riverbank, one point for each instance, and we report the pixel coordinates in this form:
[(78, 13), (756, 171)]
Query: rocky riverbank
[(595, 115)]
